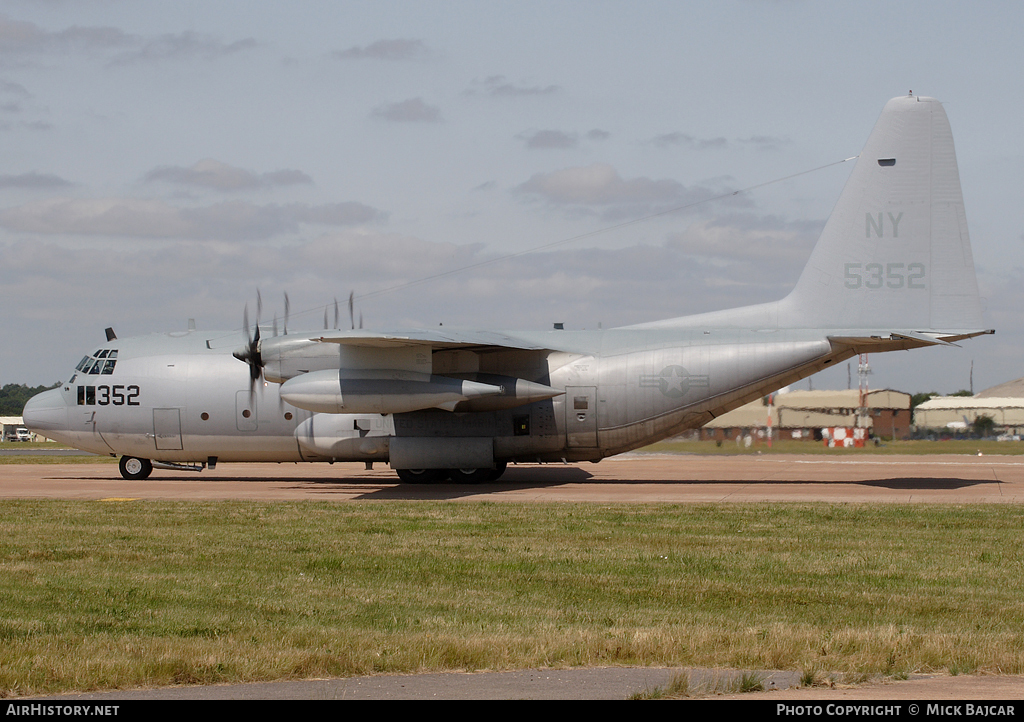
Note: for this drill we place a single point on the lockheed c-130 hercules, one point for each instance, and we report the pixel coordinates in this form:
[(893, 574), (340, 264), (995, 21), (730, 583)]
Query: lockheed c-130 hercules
[(892, 270)]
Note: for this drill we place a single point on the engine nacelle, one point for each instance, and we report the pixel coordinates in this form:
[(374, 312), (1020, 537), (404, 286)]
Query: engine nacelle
[(337, 391)]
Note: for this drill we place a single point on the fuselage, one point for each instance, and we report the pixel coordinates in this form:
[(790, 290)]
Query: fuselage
[(183, 397)]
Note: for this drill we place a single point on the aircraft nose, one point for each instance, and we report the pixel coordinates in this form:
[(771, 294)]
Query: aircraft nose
[(46, 412)]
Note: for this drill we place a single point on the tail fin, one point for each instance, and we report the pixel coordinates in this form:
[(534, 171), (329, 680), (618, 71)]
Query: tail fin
[(895, 254)]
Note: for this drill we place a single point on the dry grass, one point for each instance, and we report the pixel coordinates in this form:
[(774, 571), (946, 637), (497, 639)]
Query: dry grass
[(101, 595)]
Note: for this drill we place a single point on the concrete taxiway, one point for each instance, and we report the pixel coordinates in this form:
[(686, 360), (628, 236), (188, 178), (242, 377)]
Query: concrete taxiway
[(938, 479)]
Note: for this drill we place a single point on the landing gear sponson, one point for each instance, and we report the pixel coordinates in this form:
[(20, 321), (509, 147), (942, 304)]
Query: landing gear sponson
[(459, 476)]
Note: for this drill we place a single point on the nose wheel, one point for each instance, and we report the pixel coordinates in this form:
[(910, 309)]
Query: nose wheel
[(135, 469)]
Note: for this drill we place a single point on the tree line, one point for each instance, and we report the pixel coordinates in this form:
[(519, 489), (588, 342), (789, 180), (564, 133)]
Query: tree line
[(14, 396)]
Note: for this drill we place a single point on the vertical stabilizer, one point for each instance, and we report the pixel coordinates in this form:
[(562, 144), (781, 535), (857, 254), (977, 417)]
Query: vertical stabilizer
[(895, 253)]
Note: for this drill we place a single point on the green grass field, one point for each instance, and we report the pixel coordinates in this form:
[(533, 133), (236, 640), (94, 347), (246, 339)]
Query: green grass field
[(125, 593)]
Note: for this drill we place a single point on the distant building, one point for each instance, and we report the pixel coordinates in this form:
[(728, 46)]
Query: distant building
[(8, 425), (960, 412), (803, 415)]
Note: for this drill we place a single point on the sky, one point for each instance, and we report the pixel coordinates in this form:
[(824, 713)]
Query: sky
[(474, 164)]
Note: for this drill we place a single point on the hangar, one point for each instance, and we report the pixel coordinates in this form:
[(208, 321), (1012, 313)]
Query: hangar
[(804, 414)]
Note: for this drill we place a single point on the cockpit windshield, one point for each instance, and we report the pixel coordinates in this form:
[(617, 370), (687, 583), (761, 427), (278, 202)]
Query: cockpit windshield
[(100, 363)]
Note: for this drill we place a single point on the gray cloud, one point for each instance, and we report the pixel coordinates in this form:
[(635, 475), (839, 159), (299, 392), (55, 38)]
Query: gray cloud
[(150, 219), (555, 139), (211, 173), (394, 49), (21, 38), (548, 139), (16, 89), (33, 180), (182, 45), (677, 138), (499, 86), (765, 142), (599, 184), (752, 245), (600, 188), (413, 110)]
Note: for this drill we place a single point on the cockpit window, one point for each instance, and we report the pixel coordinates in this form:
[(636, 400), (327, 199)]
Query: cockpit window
[(101, 362)]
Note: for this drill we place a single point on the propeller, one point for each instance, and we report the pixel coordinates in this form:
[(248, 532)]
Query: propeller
[(351, 311), (250, 353)]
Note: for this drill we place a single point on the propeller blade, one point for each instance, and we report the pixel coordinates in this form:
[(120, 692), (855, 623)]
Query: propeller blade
[(335, 313), (351, 312), (286, 309)]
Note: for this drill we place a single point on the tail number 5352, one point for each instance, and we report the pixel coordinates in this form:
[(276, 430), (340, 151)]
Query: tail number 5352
[(887, 275)]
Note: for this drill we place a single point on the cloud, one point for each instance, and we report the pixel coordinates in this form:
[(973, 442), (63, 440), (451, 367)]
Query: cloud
[(548, 139), (395, 49), (598, 184), (23, 38), (765, 142), (499, 86), (16, 89), (33, 180), (558, 139), (182, 45), (413, 110), (677, 138), (211, 173), (151, 219), (757, 249)]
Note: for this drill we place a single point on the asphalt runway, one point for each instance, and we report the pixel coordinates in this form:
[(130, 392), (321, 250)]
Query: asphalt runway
[(937, 479)]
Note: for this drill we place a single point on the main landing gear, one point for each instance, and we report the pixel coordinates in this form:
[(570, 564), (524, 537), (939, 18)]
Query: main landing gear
[(459, 476), (135, 469)]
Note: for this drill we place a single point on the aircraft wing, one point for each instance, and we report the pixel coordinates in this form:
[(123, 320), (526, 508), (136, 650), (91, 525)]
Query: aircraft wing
[(437, 339)]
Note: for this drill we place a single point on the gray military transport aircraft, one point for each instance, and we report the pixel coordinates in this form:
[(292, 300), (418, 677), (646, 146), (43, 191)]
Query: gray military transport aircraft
[(892, 270)]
